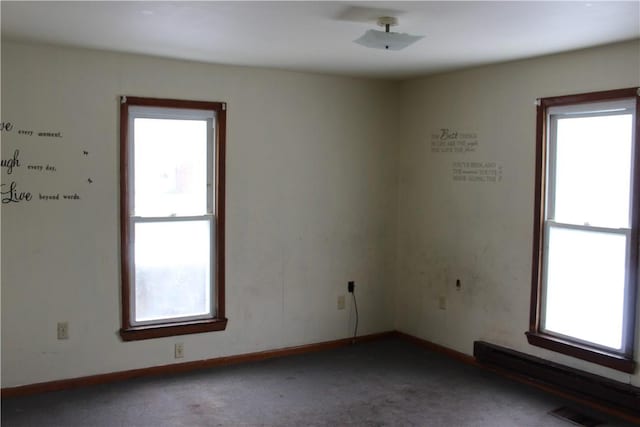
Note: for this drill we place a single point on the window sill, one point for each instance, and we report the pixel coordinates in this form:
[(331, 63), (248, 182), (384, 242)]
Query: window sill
[(598, 356), (135, 333)]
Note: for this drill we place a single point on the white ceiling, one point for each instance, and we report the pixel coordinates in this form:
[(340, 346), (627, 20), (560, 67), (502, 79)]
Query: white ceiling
[(318, 36)]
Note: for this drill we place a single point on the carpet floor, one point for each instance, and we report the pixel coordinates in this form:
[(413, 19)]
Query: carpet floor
[(388, 382)]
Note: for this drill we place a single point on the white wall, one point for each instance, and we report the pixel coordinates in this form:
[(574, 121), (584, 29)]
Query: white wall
[(481, 233), (328, 181), (310, 205)]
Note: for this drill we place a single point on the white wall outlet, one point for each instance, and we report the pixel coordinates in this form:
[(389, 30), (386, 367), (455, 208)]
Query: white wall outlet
[(341, 302), (179, 351), (63, 330), (442, 302)]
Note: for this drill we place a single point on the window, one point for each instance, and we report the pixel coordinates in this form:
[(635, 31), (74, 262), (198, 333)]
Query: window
[(172, 217), (587, 208)]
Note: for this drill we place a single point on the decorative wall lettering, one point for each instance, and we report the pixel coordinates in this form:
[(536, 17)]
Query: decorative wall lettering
[(50, 134), (42, 168), (483, 172), (86, 153), (11, 163), (9, 126), (447, 140), (13, 192), (10, 194)]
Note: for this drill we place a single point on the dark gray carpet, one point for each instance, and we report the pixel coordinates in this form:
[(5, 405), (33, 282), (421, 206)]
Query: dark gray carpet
[(383, 383)]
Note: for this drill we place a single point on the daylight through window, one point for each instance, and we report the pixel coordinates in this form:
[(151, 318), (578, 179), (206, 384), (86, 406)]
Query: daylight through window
[(172, 217), (586, 237)]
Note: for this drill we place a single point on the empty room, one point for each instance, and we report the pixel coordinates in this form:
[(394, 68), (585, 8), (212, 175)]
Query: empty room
[(320, 213)]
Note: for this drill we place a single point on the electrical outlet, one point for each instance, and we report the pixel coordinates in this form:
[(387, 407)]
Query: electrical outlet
[(442, 302), (351, 285), (341, 303), (179, 350), (63, 330)]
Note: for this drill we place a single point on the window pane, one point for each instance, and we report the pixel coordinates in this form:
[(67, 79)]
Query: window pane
[(172, 269), (170, 167), (593, 172), (585, 285)]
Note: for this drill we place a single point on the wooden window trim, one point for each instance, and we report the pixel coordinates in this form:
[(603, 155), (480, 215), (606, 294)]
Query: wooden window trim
[(622, 362), (218, 322)]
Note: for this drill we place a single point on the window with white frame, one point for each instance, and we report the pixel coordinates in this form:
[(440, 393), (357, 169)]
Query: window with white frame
[(586, 234), (172, 219)]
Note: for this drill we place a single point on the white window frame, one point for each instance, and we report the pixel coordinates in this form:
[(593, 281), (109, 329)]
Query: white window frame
[(214, 114), (599, 109), (145, 112), (549, 110)]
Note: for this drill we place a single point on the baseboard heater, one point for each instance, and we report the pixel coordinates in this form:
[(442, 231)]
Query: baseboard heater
[(579, 383)]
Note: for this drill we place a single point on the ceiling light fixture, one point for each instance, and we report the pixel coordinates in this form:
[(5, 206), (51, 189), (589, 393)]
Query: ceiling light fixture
[(386, 40)]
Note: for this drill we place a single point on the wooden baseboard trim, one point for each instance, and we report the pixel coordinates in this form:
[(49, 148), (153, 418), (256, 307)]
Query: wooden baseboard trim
[(71, 383), (453, 354), (66, 384)]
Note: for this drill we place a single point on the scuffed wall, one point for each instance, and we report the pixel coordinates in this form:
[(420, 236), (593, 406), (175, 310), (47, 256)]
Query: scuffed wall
[(310, 205), (466, 182)]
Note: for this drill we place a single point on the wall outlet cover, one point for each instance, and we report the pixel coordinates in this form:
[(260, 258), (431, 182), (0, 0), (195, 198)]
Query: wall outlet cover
[(63, 330), (179, 351)]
